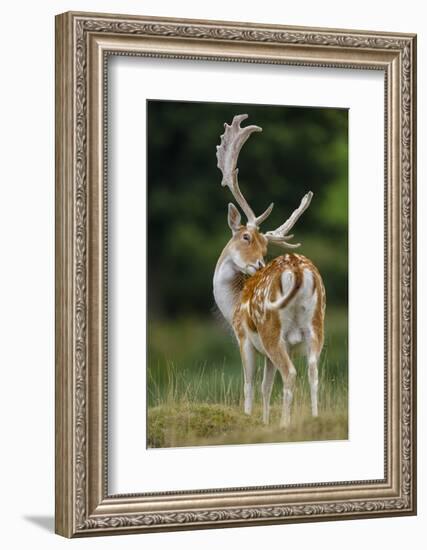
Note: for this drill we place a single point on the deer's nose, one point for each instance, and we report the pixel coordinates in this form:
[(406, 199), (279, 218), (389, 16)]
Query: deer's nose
[(260, 264)]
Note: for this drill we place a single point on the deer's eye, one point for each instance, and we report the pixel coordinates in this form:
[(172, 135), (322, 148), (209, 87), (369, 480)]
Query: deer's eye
[(246, 237)]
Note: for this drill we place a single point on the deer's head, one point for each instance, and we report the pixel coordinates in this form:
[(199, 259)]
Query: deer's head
[(248, 245)]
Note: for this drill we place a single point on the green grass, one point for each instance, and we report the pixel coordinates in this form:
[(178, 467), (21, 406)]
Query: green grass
[(195, 389)]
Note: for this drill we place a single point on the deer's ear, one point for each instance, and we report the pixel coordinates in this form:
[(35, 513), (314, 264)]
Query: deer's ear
[(234, 218)]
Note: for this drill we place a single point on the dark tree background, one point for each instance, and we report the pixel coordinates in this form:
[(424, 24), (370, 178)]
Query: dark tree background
[(300, 149)]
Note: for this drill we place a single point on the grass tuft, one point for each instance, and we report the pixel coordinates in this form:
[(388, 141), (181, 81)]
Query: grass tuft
[(196, 424)]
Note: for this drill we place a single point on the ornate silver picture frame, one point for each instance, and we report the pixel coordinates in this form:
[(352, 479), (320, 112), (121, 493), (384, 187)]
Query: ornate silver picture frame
[(84, 505)]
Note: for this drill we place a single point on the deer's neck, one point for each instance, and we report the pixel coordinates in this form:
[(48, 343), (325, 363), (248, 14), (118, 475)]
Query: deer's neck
[(227, 285)]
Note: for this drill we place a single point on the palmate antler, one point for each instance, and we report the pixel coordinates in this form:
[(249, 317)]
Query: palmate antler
[(232, 140), (227, 153)]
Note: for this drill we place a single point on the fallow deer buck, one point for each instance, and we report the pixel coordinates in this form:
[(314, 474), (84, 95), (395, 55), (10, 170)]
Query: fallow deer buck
[(273, 309)]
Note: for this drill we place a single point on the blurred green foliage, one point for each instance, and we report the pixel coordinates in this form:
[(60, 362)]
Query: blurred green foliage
[(300, 149)]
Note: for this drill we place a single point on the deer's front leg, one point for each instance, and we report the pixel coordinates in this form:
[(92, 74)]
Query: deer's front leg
[(248, 353)]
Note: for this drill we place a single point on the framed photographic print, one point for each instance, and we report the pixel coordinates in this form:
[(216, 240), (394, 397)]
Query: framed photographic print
[(235, 274)]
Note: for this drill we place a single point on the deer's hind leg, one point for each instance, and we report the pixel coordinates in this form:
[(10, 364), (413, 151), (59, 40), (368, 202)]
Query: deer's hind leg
[(288, 372), (313, 337), (309, 318), (313, 376), (266, 387), (278, 354)]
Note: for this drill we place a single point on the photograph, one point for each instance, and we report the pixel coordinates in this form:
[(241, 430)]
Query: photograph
[(247, 261)]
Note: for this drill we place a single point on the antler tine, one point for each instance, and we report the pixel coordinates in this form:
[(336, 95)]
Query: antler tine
[(232, 140), (280, 235), (264, 215)]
